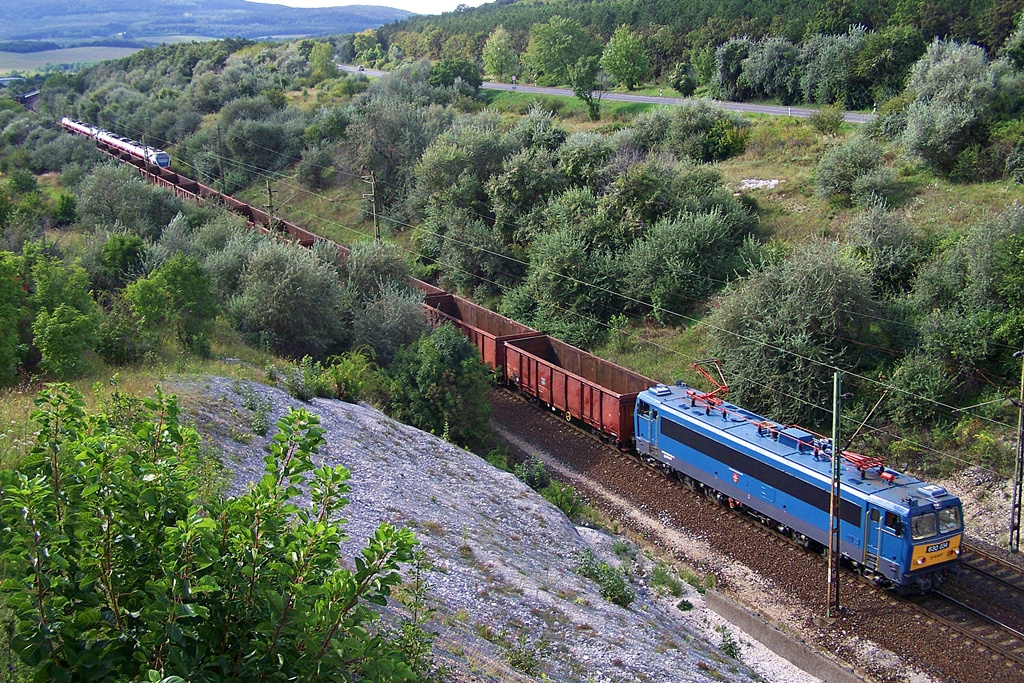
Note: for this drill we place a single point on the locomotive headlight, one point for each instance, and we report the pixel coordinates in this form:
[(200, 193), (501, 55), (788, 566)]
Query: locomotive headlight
[(920, 560)]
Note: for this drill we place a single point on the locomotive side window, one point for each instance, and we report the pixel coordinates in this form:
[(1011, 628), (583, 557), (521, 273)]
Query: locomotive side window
[(949, 520), (923, 526), (875, 516), (642, 409), (894, 523)]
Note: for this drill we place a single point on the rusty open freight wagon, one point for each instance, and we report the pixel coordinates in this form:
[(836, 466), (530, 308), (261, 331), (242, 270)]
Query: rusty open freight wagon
[(488, 330), (577, 384)]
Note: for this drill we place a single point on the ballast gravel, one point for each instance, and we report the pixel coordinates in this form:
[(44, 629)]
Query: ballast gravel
[(499, 561)]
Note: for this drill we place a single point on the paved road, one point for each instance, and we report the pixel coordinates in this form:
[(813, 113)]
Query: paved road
[(742, 107)]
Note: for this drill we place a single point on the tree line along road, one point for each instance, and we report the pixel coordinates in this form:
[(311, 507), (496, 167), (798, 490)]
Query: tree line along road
[(742, 107)]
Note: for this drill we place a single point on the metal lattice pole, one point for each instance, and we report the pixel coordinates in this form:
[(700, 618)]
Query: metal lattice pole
[(832, 608), (1019, 469)]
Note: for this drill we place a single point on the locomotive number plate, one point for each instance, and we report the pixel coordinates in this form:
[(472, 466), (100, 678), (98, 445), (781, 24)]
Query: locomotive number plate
[(937, 547)]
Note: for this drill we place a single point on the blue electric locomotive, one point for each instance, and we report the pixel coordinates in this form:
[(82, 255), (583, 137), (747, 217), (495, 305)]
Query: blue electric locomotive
[(895, 528)]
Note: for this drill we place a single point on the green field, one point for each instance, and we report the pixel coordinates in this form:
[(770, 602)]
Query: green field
[(12, 61)]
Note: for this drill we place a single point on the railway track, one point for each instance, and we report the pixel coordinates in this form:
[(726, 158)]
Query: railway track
[(998, 638), (993, 638), (992, 568)]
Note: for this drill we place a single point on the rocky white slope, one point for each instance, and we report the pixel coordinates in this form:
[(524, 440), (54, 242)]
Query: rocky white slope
[(500, 559)]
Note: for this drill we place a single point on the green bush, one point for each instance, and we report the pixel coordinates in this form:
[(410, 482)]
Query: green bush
[(62, 338), (565, 498), (840, 166), (147, 579), (613, 584), (533, 473), (877, 185), (827, 119)]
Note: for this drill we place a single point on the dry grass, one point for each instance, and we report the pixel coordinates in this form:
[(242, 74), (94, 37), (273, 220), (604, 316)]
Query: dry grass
[(230, 358)]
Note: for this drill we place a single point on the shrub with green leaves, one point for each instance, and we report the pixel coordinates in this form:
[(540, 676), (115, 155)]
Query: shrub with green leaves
[(533, 473), (841, 166), (615, 588), (117, 569)]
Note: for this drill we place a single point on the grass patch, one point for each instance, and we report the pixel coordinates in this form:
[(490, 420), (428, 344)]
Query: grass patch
[(230, 358), (567, 107)]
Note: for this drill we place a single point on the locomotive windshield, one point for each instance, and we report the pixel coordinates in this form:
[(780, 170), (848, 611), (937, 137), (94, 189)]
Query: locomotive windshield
[(949, 520), (923, 526), (928, 525)]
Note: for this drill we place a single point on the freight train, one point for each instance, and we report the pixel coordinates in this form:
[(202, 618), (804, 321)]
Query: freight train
[(896, 529)]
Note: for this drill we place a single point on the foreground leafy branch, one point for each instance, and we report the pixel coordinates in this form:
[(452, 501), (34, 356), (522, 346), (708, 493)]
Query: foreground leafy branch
[(117, 568)]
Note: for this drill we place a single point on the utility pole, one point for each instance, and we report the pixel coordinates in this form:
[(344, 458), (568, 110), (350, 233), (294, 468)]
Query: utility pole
[(834, 538), (271, 223), (372, 196), (1018, 472)]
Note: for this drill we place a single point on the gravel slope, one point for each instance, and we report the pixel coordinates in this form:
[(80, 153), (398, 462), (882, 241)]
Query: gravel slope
[(500, 560)]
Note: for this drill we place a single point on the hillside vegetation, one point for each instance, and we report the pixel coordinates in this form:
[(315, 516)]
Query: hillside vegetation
[(892, 251)]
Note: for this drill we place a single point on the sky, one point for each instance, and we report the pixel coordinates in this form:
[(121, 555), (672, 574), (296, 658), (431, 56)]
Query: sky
[(417, 6)]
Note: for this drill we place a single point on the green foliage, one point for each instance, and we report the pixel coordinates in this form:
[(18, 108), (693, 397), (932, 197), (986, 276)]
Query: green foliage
[(681, 80), (388, 320), (827, 119), (122, 259), (439, 384), (625, 59), (62, 338), (533, 473), (12, 302), (821, 300), (445, 73), (316, 170), (123, 336), (114, 195), (565, 498), (772, 70), (843, 164), (729, 647), (613, 584), (918, 382), (321, 61), (523, 654), (266, 308), (177, 294), (499, 58), (555, 46), (117, 567), (662, 580), (583, 79)]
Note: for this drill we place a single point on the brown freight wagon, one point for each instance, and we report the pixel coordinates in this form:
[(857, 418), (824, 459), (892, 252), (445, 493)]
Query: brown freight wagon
[(488, 330), (578, 384)]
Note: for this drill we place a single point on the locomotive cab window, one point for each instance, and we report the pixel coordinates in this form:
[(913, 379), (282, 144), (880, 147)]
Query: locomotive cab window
[(894, 523), (949, 520), (642, 409), (923, 526)]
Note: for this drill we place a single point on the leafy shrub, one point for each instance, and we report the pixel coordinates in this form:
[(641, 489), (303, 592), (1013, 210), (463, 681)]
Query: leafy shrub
[(124, 337), (63, 338), (828, 119), (533, 473), (877, 185), (918, 382), (662, 580), (439, 384), (613, 584), (147, 578), (729, 646), (565, 498), (840, 166)]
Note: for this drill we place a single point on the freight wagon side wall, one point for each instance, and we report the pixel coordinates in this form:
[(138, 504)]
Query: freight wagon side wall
[(488, 331), (534, 364)]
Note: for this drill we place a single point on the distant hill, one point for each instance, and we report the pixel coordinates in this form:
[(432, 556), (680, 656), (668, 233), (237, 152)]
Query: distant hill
[(138, 20)]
